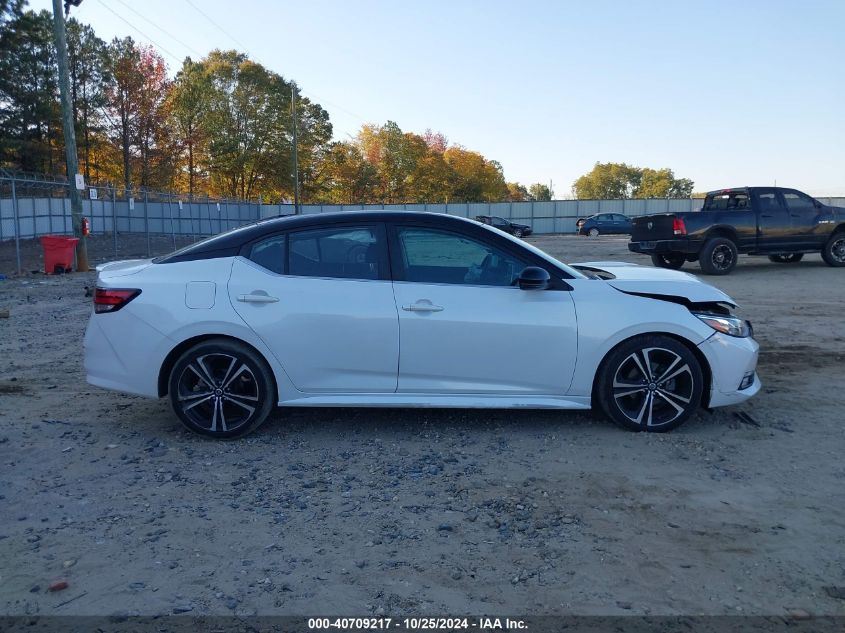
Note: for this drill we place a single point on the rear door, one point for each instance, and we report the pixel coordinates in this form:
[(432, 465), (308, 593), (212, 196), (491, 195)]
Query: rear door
[(466, 327), (321, 299)]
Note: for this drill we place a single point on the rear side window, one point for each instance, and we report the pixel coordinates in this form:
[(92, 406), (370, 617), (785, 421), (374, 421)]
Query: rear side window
[(270, 254), (728, 201), (342, 253)]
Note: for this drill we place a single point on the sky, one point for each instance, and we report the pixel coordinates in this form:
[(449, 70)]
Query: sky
[(724, 93)]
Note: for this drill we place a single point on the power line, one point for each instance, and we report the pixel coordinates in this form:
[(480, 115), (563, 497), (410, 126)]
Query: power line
[(244, 47), (154, 25), (219, 28), (139, 31)]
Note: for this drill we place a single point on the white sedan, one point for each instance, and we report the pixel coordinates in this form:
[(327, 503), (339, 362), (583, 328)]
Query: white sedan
[(399, 309)]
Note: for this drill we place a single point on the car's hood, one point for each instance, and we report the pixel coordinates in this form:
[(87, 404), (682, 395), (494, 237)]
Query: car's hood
[(122, 268), (646, 280)]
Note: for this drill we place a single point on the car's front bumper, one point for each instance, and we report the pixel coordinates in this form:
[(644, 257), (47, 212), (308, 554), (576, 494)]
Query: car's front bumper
[(731, 360), (690, 247)]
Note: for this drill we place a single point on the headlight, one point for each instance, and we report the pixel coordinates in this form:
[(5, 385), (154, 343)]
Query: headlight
[(730, 325)]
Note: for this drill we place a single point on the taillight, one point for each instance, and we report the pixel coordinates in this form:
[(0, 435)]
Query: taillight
[(113, 299), (678, 226)]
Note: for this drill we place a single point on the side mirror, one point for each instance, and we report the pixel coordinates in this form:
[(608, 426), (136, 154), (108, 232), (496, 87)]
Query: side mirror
[(534, 278)]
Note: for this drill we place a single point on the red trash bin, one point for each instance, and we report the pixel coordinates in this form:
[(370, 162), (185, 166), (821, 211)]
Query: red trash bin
[(58, 252)]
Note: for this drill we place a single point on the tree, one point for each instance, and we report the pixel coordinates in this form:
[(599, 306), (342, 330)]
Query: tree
[(620, 180), (189, 101), (122, 101), (345, 177), (517, 192), (30, 116), (87, 59), (540, 192)]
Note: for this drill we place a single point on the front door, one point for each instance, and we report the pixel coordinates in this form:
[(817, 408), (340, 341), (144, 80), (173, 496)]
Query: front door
[(466, 327), (774, 228), (322, 301)]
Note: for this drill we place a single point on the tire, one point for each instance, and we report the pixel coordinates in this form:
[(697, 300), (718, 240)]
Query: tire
[(222, 389), (673, 261), (789, 258), (517, 233), (594, 232), (833, 252), (718, 257), (649, 383)]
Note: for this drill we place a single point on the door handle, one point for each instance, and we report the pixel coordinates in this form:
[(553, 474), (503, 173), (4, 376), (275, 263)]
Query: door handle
[(256, 298), (423, 306)]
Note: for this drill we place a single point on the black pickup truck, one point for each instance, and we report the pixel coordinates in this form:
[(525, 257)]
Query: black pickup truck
[(781, 223)]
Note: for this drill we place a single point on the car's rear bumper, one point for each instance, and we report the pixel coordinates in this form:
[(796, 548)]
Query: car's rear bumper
[(646, 247), (731, 361)]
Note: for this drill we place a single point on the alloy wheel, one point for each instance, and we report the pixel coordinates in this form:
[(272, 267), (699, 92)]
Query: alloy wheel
[(652, 387), (218, 392), (722, 257)]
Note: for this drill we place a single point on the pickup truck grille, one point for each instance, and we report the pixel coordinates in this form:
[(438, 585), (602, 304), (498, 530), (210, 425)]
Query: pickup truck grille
[(653, 227)]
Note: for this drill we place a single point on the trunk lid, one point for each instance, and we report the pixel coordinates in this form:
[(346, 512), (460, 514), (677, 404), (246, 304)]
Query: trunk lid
[(113, 270)]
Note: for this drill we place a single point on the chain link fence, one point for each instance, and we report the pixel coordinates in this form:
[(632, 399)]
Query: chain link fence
[(34, 205)]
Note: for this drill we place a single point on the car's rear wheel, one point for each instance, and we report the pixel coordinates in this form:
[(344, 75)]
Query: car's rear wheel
[(593, 232), (718, 257), (788, 258), (221, 388), (668, 260), (833, 252), (650, 383)]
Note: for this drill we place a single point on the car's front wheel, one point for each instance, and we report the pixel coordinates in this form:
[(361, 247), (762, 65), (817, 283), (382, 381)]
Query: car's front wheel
[(221, 388), (649, 383), (668, 260), (517, 233), (594, 232)]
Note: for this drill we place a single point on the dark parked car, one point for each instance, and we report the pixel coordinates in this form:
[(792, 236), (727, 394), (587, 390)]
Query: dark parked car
[(604, 224), (517, 230), (780, 223)]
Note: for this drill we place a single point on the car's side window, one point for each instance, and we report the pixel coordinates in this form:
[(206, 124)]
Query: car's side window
[(270, 254), (796, 201), (342, 252), (768, 201), (443, 257)]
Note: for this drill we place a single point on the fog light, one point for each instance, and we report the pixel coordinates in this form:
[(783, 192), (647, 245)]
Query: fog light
[(747, 381)]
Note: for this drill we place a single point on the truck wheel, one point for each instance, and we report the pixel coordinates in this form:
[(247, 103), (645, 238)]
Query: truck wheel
[(789, 258), (593, 232), (718, 257), (833, 252), (668, 260)]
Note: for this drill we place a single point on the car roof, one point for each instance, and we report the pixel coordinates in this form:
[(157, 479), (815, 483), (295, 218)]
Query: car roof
[(230, 242)]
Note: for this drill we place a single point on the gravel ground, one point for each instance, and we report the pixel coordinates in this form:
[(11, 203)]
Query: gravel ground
[(401, 512)]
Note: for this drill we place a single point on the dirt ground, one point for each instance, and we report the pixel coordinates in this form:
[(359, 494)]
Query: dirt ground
[(404, 512)]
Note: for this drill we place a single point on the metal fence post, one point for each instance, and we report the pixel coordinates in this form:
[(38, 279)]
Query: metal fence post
[(147, 224), (114, 219), (17, 227), (170, 210)]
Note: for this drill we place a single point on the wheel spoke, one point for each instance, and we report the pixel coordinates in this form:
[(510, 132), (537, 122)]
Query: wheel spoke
[(234, 400), (622, 394), (222, 416), (206, 372), (677, 407), (639, 365), (670, 394), (199, 375), (194, 396), (646, 404), (650, 374), (241, 370), (196, 402), (214, 416), (668, 369), (677, 372), (224, 382)]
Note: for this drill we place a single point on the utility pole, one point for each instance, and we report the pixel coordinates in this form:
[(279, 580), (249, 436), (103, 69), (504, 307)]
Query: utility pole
[(69, 132), (295, 161)]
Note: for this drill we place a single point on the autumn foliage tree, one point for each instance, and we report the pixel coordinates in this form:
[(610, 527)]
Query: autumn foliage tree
[(620, 180)]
